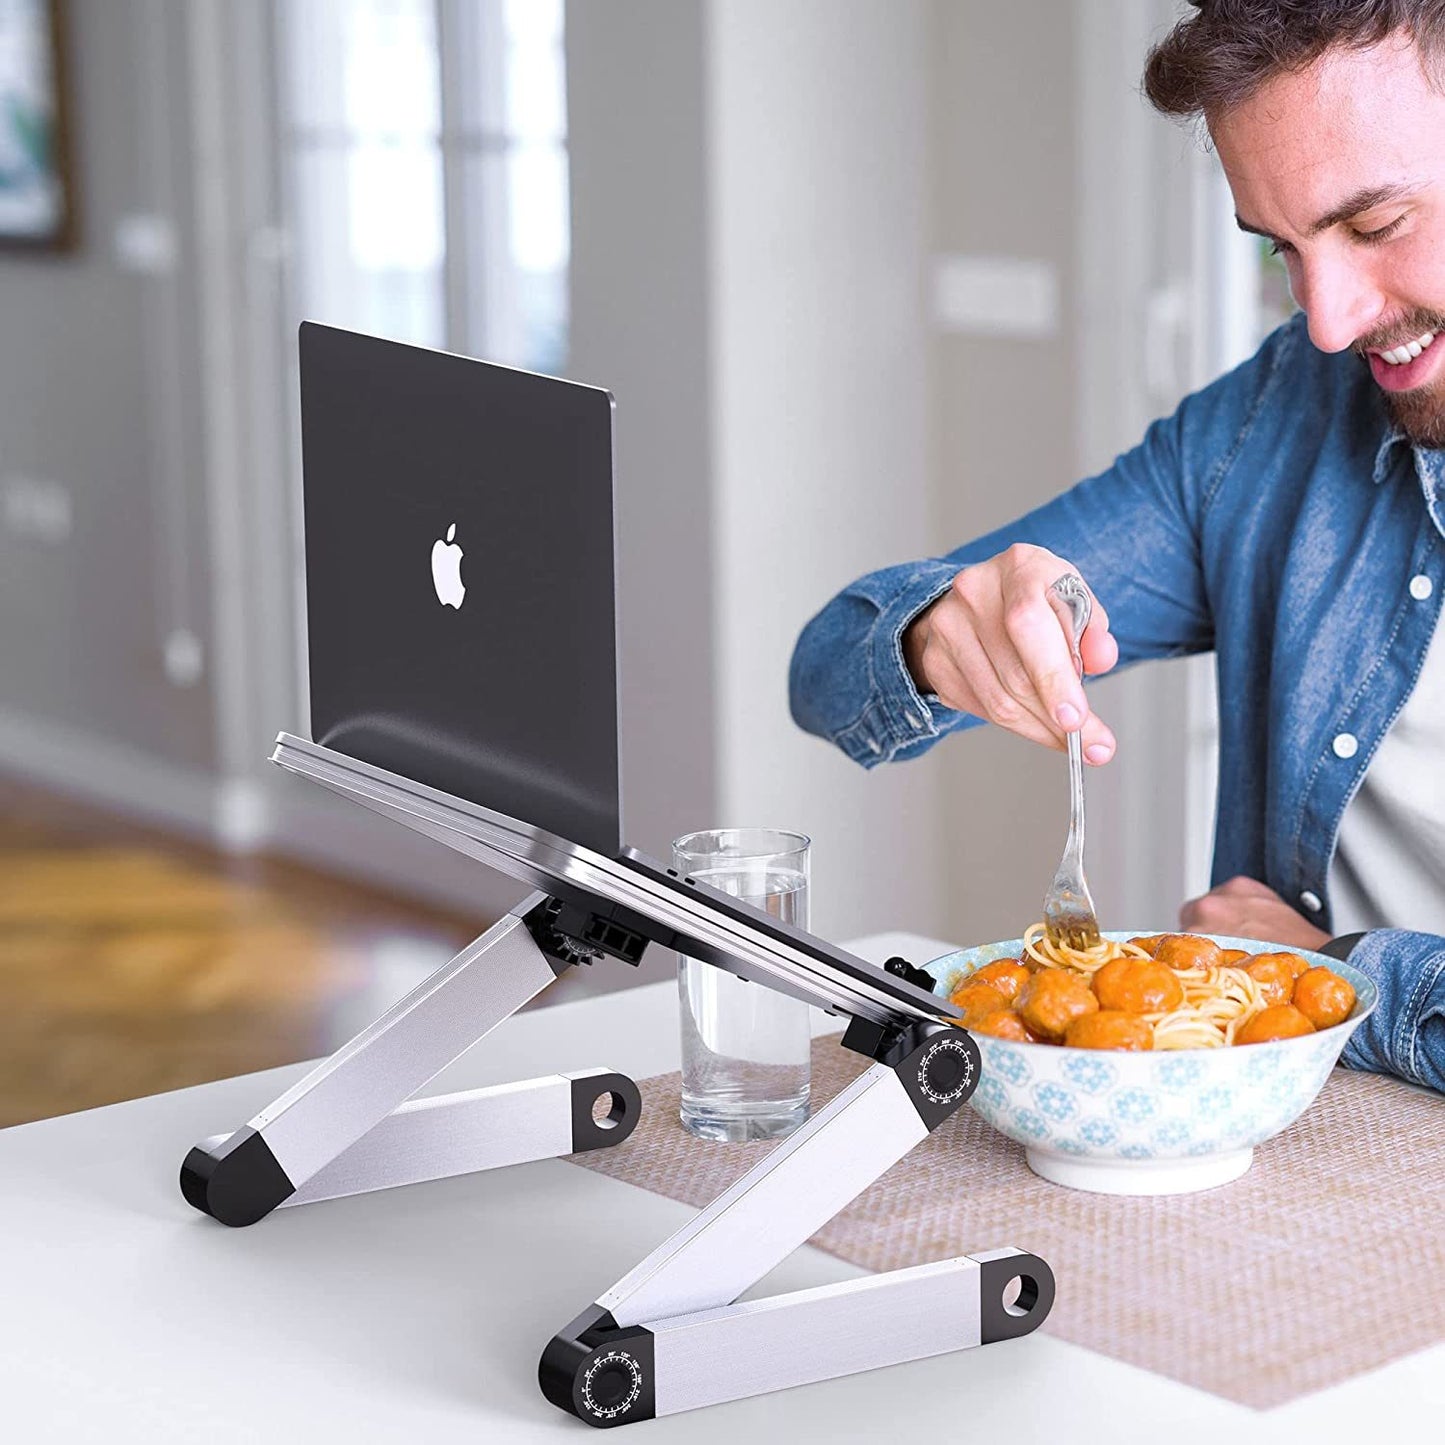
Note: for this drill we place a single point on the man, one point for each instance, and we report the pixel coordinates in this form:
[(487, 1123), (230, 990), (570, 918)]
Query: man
[(1291, 517)]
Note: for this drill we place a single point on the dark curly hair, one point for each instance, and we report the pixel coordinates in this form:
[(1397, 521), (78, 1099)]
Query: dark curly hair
[(1223, 53)]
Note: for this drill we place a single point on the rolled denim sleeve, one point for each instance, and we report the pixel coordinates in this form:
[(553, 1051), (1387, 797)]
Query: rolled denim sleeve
[(848, 681), (1405, 1035), (1136, 533)]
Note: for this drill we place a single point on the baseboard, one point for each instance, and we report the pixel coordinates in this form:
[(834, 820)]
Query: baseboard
[(114, 775), (281, 815)]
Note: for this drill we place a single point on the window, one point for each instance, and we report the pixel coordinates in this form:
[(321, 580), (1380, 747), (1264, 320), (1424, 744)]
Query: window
[(1272, 298), (427, 170)]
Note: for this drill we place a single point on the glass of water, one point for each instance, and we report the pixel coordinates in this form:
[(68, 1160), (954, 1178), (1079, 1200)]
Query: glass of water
[(745, 1047)]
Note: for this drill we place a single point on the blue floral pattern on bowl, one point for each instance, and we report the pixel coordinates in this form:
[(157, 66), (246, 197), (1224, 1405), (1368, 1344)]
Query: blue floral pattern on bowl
[(1181, 1071), (1090, 1073), (1171, 1135), (1054, 1102), (1132, 1105), (1137, 1108)]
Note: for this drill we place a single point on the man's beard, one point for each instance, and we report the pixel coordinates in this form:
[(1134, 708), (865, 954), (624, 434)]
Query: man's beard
[(1420, 413)]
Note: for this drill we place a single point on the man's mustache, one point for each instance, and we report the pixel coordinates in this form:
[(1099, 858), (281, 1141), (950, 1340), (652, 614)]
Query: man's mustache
[(1407, 328)]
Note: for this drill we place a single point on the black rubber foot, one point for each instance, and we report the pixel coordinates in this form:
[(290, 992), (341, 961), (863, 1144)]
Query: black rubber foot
[(237, 1181)]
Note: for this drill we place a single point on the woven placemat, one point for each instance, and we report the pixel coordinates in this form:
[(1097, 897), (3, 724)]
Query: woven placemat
[(1325, 1260)]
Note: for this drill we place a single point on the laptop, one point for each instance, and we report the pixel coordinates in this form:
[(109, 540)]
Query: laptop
[(461, 578), (461, 618)]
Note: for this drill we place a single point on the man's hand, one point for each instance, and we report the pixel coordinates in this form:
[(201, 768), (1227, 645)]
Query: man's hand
[(993, 645), (1247, 908)]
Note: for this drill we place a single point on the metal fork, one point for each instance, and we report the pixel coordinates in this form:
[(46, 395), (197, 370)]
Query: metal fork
[(1069, 915)]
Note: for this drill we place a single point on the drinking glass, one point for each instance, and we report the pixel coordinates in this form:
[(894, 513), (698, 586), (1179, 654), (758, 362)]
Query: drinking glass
[(745, 1047)]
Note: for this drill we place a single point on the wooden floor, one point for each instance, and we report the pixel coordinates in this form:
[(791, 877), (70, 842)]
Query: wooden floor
[(132, 962)]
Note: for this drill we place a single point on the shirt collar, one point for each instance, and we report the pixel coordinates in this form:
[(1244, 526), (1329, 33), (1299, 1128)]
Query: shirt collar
[(1429, 469), (1394, 432)]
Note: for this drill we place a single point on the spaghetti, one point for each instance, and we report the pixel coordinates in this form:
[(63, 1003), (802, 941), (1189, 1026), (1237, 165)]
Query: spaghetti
[(1218, 999)]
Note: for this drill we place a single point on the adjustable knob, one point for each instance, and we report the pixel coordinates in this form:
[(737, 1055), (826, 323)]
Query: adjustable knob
[(940, 1074), (612, 1385), (948, 1070)]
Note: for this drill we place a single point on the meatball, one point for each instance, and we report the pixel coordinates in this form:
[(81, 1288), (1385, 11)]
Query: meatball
[(1323, 997), (1003, 1023), (1008, 976), (1278, 1021), (1110, 1029), (1233, 957), (974, 1000), (1052, 999), (1137, 986), (1272, 973), (1148, 942), (1292, 961), (1187, 950)]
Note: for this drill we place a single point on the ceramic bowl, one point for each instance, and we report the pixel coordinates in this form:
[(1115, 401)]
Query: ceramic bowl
[(1149, 1123)]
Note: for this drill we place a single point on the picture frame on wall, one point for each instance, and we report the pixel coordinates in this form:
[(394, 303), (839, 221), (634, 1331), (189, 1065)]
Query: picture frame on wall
[(37, 192)]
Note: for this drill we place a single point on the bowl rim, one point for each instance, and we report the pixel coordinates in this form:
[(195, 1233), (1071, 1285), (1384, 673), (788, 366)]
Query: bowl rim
[(1364, 986)]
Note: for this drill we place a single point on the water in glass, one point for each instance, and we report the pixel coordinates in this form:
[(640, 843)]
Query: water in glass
[(745, 1064)]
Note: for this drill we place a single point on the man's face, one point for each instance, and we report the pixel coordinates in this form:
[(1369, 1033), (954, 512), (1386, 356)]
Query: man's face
[(1343, 167)]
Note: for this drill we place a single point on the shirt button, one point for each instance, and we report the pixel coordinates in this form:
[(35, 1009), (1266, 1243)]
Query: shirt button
[(1346, 745), (1421, 587), (1311, 901)]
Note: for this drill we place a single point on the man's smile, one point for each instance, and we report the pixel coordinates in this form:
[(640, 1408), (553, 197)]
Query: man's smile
[(1408, 350), (1405, 365)]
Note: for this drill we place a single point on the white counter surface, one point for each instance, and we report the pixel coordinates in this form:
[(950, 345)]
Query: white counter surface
[(419, 1314)]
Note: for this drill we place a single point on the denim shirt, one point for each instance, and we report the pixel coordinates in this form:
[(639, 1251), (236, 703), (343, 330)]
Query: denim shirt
[(1277, 518)]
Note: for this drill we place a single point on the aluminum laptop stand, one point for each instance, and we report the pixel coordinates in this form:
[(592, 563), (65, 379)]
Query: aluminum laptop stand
[(669, 1336)]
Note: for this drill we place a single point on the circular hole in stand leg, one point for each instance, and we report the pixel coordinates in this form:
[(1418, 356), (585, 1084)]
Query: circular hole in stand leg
[(1020, 1295), (608, 1110)]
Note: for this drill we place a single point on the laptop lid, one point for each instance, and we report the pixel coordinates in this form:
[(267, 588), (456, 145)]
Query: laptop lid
[(461, 578)]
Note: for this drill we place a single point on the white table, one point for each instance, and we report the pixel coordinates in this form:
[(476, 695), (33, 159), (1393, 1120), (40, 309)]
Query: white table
[(419, 1314)]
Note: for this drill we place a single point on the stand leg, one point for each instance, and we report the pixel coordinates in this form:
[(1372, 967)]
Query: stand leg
[(771, 1210), (481, 1129), (668, 1337), (842, 1329), (246, 1175)]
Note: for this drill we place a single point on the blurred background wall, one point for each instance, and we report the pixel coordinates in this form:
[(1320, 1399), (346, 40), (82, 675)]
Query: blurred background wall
[(867, 277), (104, 545)]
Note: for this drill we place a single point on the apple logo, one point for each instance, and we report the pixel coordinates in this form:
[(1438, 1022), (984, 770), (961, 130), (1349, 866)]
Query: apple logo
[(446, 570)]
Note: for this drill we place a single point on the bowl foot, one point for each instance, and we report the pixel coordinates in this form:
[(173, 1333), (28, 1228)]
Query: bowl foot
[(1140, 1176)]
